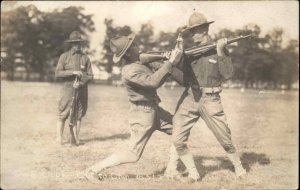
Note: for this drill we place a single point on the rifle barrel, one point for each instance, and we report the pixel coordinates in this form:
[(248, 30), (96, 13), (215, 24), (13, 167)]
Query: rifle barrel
[(197, 49)]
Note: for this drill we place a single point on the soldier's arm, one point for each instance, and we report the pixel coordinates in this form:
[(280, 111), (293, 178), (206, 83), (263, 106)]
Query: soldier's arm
[(88, 75), (180, 73), (176, 73), (225, 66), (155, 65), (140, 78), (60, 71)]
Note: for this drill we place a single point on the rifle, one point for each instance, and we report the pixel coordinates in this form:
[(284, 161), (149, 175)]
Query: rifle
[(73, 114), (189, 52)]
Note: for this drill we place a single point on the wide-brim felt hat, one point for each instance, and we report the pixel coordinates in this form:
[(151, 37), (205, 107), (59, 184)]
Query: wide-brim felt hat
[(197, 20), (75, 36), (119, 46)]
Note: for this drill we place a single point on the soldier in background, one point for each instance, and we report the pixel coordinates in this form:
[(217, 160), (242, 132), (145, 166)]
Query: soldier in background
[(203, 77), (73, 63)]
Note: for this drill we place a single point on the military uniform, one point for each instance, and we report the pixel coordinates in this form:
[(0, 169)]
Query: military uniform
[(203, 78), (69, 62), (145, 116)]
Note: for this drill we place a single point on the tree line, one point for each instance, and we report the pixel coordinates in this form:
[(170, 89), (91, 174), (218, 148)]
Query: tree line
[(33, 39)]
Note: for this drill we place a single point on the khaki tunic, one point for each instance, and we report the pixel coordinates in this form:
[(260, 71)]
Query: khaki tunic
[(145, 115), (68, 63)]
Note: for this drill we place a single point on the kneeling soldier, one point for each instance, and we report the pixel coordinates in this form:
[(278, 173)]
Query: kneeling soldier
[(145, 115)]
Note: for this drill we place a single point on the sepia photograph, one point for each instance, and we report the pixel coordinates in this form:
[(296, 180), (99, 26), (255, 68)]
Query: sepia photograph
[(149, 95)]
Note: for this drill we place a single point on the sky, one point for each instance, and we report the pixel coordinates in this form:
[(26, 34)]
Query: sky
[(169, 15)]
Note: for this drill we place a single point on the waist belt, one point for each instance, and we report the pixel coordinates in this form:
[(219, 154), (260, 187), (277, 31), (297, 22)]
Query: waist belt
[(145, 103), (210, 90)]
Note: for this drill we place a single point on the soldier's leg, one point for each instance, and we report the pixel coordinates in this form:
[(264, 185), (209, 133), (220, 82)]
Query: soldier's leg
[(64, 106), (60, 130), (165, 124), (212, 113), (63, 115), (184, 119), (141, 127)]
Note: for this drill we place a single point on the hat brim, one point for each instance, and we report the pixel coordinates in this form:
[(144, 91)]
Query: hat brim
[(187, 28), (117, 58)]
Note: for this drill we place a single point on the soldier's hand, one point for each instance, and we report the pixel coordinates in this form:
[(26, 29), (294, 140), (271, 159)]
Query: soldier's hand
[(176, 56), (76, 84), (221, 43), (77, 73)]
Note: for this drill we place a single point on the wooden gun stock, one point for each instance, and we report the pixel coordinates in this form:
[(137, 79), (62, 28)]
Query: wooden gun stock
[(150, 57)]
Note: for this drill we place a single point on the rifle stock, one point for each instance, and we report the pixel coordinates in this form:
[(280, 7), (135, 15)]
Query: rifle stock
[(148, 57), (190, 52)]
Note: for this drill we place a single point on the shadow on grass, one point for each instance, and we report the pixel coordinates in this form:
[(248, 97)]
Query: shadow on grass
[(112, 137), (206, 165)]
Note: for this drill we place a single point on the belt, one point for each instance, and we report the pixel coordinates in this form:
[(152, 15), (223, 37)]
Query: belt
[(145, 103), (210, 90)]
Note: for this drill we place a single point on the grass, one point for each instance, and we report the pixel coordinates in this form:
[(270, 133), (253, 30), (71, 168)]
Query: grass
[(264, 128)]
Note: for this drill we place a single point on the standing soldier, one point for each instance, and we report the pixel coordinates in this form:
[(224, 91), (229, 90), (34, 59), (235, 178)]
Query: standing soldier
[(74, 68), (203, 77), (145, 116)]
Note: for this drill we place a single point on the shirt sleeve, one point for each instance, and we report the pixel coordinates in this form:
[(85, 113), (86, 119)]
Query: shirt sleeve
[(155, 65), (139, 77), (176, 73), (225, 67), (60, 71), (88, 75)]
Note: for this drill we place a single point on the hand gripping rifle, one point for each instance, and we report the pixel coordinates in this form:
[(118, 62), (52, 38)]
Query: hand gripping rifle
[(73, 114), (190, 52)]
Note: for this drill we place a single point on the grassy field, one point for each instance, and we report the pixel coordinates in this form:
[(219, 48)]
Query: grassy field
[(264, 128)]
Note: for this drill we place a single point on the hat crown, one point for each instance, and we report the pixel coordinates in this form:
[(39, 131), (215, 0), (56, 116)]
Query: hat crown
[(75, 35), (117, 44), (197, 19)]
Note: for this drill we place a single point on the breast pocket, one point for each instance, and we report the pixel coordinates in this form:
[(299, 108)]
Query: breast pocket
[(213, 67)]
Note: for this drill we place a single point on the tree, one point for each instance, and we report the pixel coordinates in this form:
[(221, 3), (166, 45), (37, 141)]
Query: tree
[(56, 28), (36, 38), (19, 32), (291, 63), (145, 37)]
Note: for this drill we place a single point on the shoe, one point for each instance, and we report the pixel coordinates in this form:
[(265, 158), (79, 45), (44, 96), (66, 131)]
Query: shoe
[(174, 174), (189, 179), (240, 171), (59, 140), (91, 176), (77, 142)]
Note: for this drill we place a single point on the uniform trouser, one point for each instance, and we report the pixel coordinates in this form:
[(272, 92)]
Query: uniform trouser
[(210, 109), (144, 120)]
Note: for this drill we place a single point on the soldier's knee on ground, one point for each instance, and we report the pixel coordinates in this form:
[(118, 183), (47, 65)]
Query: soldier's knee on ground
[(129, 157)]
